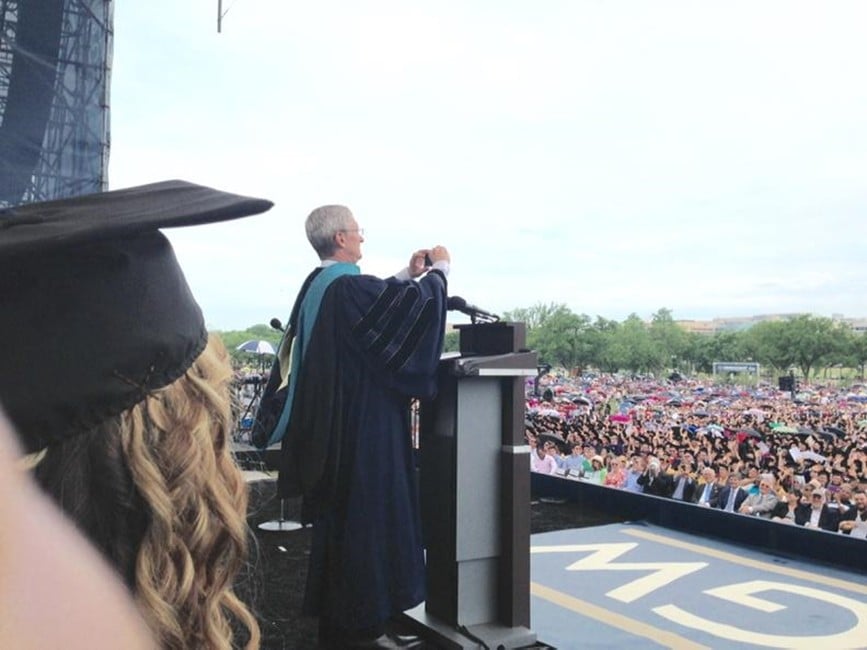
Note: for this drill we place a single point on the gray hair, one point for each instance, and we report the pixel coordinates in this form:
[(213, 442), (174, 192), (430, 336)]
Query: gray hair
[(325, 222)]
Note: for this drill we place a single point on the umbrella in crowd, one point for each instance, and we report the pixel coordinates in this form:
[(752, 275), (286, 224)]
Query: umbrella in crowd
[(542, 438), (256, 346), (551, 413)]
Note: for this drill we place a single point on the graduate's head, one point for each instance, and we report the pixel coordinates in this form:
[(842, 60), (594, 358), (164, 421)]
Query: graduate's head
[(116, 382), (334, 233), (97, 304)]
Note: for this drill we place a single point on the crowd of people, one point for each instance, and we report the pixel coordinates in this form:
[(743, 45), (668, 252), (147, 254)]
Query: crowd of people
[(797, 458)]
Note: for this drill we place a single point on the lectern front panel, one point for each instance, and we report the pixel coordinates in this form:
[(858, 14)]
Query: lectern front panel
[(479, 423)]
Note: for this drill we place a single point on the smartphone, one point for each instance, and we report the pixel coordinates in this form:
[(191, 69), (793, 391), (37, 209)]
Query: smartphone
[(427, 260)]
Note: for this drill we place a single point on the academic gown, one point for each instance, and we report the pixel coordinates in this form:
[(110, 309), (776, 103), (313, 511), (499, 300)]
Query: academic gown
[(347, 450)]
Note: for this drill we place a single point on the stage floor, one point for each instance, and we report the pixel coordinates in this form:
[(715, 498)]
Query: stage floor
[(640, 586), (598, 584)]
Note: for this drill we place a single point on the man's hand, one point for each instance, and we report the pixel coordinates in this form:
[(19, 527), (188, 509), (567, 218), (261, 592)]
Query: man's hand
[(416, 263), (439, 254), (436, 254)]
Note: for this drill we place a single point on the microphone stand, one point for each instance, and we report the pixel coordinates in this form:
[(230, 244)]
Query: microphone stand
[(281, 524)]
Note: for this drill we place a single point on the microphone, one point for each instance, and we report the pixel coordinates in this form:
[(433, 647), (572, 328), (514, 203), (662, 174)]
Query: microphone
[(276, 324), (476, 314)]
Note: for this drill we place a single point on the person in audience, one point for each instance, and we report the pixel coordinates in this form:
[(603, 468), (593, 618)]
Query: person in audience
[(707, 491), (130, 437), (854, 521), (841, 500), (750, 483), (824, 478), (573, 463), (633, 473), (616, 476), (541, 460), (597, 471), (732, 496), (589, 453), (834, 485), (722, 475), (817, 515), (807, 492), (786, 509), (655, 480), (684, 484), (763, 503)]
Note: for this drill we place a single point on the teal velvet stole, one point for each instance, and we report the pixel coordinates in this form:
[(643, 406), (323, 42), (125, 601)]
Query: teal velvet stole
[(306, 320)]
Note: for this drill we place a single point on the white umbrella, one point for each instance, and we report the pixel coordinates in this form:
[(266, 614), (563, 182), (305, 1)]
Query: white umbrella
[(256, 347)]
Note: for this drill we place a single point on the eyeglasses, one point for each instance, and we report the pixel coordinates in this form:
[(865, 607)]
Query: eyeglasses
[(360, 231)]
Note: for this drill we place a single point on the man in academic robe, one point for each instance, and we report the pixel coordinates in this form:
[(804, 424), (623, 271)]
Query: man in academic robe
[(361, 349)]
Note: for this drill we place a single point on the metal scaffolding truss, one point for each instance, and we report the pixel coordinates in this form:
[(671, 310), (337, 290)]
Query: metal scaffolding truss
[(8, 29), (75, 151), (73, 158)]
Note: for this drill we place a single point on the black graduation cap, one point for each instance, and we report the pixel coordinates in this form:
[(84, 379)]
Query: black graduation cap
[(96, 312)]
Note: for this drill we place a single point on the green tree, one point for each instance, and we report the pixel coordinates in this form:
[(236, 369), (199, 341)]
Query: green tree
[(452, 341), (599, 340), (805, 342), (857, 344), (633, 347), (768, 344), (668, 338), (702, 349), (534, 316), (558, 339), (816, 341)]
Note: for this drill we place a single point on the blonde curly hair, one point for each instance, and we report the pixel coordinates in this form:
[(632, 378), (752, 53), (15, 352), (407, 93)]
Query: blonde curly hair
[(157, 490)]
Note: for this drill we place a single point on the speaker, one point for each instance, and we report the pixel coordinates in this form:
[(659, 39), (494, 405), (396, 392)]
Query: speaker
[(786, 382)]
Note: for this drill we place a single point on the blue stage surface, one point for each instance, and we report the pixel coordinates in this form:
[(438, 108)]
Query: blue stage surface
[(644, 586)]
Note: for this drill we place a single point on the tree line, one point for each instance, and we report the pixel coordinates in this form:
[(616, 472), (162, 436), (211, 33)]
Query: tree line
[(809, 344)]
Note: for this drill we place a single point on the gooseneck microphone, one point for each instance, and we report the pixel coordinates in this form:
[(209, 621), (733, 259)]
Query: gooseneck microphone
[(476, 314)]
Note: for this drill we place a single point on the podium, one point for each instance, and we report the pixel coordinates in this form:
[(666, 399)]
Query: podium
[(475, 494)]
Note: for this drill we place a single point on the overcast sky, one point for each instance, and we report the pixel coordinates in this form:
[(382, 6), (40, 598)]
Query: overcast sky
[(615, 156)]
